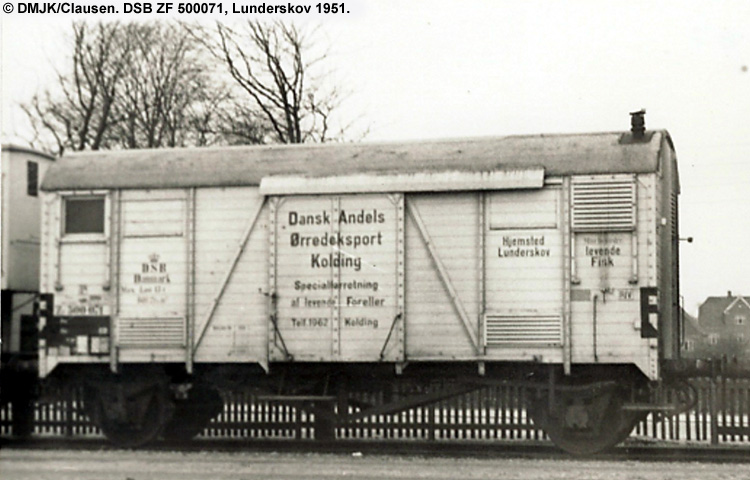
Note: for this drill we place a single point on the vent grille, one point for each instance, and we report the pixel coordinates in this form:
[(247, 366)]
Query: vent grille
[(606, 205), (523, 329), (151, 332)]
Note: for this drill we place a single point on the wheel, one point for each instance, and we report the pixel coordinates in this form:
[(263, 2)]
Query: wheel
[(129, 416), (585, 421), (191, 416)]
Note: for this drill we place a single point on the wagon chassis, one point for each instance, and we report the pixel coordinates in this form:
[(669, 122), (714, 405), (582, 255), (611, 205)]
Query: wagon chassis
[(581, 415)]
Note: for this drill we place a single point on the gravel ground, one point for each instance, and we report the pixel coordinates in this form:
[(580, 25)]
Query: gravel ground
[(130, 465)]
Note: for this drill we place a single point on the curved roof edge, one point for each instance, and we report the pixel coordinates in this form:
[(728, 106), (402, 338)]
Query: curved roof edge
[(558, 154), (10, 147)]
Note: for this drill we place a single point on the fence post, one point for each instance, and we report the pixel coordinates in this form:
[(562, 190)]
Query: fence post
[(726, 400), (325, 423), (431, 421), (68, 399), (712, 405)]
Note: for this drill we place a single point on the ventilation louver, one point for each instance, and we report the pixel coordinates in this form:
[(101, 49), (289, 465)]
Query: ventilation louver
[(151, 332), (604, 205), (523, 329)]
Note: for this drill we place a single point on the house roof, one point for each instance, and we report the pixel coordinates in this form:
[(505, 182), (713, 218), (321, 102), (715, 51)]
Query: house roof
[(712, 311), (737, 301), (565, 154)]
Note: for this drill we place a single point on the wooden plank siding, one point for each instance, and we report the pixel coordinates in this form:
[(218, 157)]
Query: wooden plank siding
[(229, 293), (609, 292), (336, 262), (473, 262), (153, 275), (433, 327), (237, 331), (524, 272)]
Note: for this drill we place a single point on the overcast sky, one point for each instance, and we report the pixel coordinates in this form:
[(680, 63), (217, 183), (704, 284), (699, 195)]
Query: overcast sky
[(434, 69)]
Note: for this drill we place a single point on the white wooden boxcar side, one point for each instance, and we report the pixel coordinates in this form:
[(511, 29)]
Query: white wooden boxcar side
[(522, 249)]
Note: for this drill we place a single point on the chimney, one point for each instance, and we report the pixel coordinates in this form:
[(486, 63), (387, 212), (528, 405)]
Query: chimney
[(638, 124), (729, 293)]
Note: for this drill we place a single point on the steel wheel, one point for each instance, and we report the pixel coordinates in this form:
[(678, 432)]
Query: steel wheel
[(584, 422), (130, 420)]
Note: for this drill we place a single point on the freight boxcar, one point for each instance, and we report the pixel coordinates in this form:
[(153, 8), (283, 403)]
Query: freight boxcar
[(324, 272), (22, 170)]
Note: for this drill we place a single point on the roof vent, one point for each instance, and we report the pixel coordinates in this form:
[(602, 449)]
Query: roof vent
[(637, 133), (638, 124)]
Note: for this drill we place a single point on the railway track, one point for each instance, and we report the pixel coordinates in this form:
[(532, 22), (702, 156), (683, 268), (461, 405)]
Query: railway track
[(464, 449)]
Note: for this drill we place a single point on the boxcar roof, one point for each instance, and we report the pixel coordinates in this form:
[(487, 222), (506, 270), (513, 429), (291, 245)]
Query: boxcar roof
[(10, 147), (565, 154)]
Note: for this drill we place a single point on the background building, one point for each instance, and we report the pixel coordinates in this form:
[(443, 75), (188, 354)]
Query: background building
[(721, 330)]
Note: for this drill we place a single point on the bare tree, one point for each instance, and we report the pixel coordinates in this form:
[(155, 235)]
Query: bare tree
[(132, 85), (240, 124), (79, 116), (151, 85), (166, 93), (274, 64)]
